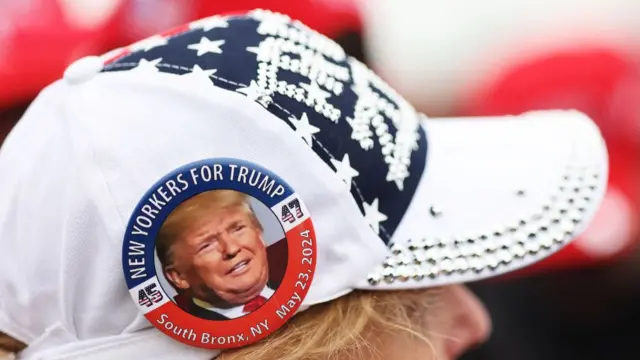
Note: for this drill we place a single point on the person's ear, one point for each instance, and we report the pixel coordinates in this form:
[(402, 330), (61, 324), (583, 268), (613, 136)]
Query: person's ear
[(176, 278)]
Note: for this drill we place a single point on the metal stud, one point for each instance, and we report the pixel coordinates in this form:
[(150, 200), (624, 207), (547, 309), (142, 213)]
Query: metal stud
[(429, 243), (567, 226), (552, 225), (433, 253), (417, 273), (520, 238), (558, 237), (575, 216), (458, 241), (467, 250), (435, 211), (434, 271), (390, 262), (477, 249), (504, 256), (389, 275), (490, 246), (477, 264), (461, 265), (492, 261), (413, 245), (447, 253), (546, 241), (532, 247), (374, 279), (396, 250), (406, 258), (376, 276), (403, 273), (504, 242), (420, 256), (447, 266), (518, 250)]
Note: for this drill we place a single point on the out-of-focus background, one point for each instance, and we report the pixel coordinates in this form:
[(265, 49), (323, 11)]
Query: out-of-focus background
[(449, 58)]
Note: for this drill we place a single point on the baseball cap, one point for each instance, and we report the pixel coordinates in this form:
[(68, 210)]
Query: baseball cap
[(397, 200)]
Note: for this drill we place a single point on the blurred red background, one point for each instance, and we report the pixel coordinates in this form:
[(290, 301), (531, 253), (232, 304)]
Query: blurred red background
[(492, 57)]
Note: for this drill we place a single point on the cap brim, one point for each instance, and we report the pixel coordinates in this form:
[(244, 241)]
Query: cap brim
[(497, 194)]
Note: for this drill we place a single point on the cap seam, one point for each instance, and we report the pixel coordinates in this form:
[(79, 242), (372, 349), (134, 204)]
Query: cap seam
[(100, 178)]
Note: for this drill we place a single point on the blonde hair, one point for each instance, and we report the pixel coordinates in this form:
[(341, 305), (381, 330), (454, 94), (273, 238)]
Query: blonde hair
[(192, 211), (344, 328), (10, 345)]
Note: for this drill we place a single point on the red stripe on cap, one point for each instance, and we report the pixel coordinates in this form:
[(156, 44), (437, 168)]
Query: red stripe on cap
[(117, 55), (175, 31)]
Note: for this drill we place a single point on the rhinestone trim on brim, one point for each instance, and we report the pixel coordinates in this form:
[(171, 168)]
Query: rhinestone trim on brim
[(538, 235)]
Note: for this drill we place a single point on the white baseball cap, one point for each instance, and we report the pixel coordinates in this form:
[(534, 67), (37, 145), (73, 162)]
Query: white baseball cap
[(398, 200)]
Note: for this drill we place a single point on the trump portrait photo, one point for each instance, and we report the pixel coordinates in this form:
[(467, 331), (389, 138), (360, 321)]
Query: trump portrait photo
[(222, 254)]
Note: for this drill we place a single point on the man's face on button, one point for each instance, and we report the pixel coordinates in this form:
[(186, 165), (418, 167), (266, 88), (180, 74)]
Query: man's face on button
[(222, 252)]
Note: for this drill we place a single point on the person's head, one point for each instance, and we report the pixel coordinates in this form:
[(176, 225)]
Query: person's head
[(404, 209), (211, 246), (433, 324)]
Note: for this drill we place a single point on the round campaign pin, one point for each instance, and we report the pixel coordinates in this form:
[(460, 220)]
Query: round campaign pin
[(219, 253)]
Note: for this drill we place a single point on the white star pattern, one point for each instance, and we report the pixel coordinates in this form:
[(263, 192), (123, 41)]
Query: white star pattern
[(265, 50), (361, 132), (344, 170), (255, 93), (146, 65), (262, 52), (265, 100), (149, 43), (252, 91), (200, 77), (207, 46), (294, 73), (399, 182), (315, 92), (303, 128), (373, 216), (209, 23)]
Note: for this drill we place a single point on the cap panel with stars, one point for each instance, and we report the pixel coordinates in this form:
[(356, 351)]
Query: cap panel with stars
[(356, 123)]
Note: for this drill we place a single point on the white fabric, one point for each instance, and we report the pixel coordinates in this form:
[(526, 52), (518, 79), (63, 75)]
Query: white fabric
[(76, 165), (145, 344), (94, 149), (476, 167), (234, 312)]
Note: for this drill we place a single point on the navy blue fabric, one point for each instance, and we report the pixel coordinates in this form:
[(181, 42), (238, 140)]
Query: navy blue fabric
[(240, 66)]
